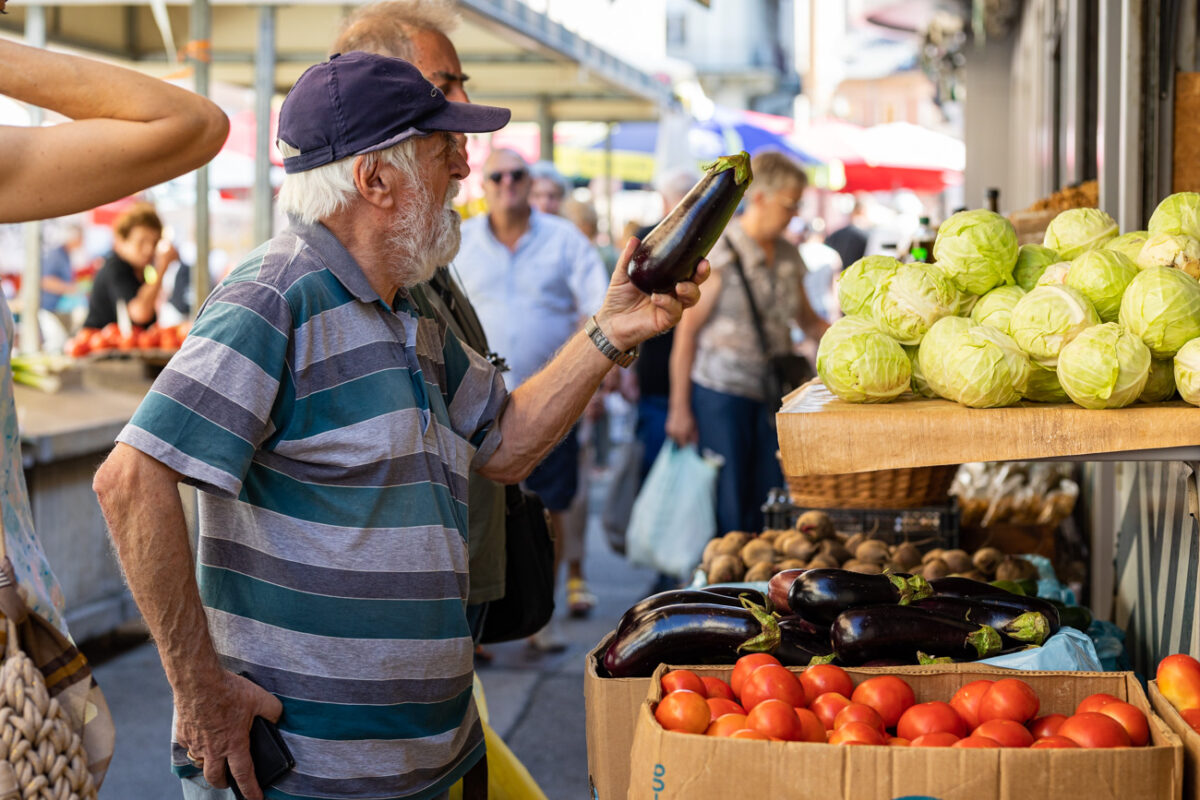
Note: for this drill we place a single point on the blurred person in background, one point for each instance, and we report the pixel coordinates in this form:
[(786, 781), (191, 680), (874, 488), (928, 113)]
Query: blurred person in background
[(822, 264), (718, 367), (548, 189), (850, 242), (58, 272), (126, 132), (124, 277), (418, 31), (534, 279)]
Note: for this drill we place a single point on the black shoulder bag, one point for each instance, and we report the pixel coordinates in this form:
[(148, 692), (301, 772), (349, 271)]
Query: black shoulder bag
[(785, 373), (528, 601)]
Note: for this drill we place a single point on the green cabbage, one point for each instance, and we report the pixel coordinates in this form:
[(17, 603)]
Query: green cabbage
[(995, 307), (1171, 250), (1128, 243), (860, 364), (1102, 276), (1054, 275), (977, 249), (973, 364), (1106, 366), (911, 299), (857, 284), (1044, 320), (920, 386), (1160, 385), (1187, 371), (1077, 230), (1032, 260), (1043, 385), (1162, 305), (1177, 213)]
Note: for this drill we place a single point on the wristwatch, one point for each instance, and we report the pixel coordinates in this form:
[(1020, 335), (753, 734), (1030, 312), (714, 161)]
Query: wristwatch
[(610, 351)]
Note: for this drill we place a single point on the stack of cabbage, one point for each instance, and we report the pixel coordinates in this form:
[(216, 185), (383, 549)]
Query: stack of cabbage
[(1089, 316)]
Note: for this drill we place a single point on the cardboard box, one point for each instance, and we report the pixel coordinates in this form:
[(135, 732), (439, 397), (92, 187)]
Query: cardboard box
[(675, 766), (610, 711), (1189, 737)]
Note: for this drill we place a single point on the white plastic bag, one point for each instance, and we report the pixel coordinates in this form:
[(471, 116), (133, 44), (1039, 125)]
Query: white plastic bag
[(674, 515)]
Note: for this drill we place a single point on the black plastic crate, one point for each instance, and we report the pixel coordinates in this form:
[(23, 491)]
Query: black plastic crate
[(927, 526)]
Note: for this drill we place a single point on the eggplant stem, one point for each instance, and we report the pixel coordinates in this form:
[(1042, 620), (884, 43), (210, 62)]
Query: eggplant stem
[(768, 640), (901, 586), (738, 162), (986, 641), (926, 659), (819, 660), (1030, 627)]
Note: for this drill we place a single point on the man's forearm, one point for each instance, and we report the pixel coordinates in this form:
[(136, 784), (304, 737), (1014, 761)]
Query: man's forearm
[(140, 500), (541, 410)]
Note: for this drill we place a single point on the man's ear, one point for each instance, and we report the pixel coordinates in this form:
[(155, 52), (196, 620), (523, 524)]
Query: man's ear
[(376, 183)]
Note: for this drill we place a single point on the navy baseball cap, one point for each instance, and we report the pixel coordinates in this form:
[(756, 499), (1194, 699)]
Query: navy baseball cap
[(358, 103)]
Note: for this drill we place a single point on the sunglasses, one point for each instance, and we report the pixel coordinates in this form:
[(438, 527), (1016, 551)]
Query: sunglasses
[(516, 175)]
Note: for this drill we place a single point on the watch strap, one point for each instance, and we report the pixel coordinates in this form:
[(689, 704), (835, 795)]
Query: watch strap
[(610, 351)]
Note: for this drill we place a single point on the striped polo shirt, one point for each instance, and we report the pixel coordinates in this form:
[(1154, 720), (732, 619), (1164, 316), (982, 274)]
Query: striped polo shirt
[(331, 436)]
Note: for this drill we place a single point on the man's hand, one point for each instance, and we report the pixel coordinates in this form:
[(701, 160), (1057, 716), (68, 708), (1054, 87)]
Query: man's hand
[(629, 316), (214, 725)]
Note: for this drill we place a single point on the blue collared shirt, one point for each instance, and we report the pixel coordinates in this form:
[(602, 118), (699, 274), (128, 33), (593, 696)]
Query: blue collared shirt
[(530, 301)]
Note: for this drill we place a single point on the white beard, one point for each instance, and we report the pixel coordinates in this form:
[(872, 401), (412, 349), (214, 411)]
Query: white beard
[(425, 238)]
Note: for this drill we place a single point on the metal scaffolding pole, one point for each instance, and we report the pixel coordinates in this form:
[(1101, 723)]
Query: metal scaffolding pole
[(264, 87), (545, 120), (200, 56), (31, 277)]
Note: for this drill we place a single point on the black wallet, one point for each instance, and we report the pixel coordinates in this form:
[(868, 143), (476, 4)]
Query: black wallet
[(272, 760)]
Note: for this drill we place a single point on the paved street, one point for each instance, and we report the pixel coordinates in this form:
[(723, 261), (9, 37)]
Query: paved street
[(535, 701)]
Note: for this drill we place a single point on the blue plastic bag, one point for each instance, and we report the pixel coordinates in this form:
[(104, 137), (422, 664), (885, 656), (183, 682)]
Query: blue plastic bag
[(1067, 650), (674, 515)]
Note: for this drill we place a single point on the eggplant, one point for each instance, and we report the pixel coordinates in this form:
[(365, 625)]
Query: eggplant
[(778, 586), (800, 642), (1016, 625), (994, 596), (716, 595), (820, 595), (670, 253), (900, 632), (689, 634)]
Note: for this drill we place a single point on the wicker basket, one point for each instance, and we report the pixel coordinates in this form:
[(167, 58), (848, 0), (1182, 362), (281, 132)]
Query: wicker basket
[(886, 488)]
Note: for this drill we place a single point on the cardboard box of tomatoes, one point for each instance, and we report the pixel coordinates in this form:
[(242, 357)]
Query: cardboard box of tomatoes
[(673, 764), (610, 709), (1187, 735)]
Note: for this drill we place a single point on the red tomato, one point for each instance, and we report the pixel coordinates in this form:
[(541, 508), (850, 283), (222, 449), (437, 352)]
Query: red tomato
[(856, 733), (887, 694), (719, 706), (932, 717), (857, 712), (111, 334), (715, 687), (1046, 726), (898, 741), (746, 665), (1009, 698), (747, 733), (96, 342), (684, 711), (1192, 717), (146, 340), (129, 342), (822, 678), (1131, 719), (1094, 702), (827, 706), (1179, 680), (78, 346), (1093, 729), (169, 339), (726, 725), (1006, 732), (772, 681), (811, 728), (683, 679), (975, 740), (776, 719), (1053, 742), (935, 739), (966, 701)]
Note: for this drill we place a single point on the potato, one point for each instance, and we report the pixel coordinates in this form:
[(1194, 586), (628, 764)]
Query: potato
[(835, 550), (816, 524), (854, 541), (907, 555), (757, 551), (798, 546), (791, 563), (733, 542), (710, 552), (986, 559), (872, 551), (726, 569), (957, 560), (1015, 568), (854, 565), (761, 571), (934, 568), (931, 555), (824, 561)]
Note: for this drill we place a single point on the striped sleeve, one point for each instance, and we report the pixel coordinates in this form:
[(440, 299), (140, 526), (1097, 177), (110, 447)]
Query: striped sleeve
[(210, 409), (475, 396)]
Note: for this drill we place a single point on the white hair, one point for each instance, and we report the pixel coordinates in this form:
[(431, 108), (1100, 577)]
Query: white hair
[(387, 27), (321, 192), (676, 183)]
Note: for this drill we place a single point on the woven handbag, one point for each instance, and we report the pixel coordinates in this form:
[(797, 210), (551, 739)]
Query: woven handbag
[(49, 707)]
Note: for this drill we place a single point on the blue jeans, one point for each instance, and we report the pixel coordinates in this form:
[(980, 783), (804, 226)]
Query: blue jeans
[(651, 429), (740, 430)]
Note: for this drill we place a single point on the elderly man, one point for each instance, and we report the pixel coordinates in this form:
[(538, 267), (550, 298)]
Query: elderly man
[(330, 424), (534, 278)]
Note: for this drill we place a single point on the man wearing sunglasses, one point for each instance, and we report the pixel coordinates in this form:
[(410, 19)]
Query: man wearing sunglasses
[(534, 279)]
